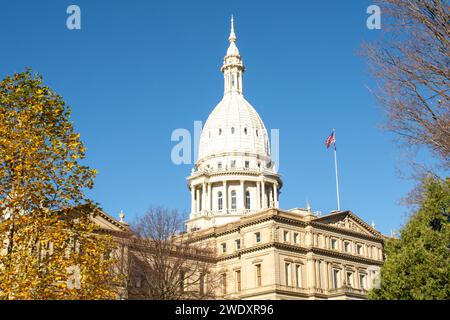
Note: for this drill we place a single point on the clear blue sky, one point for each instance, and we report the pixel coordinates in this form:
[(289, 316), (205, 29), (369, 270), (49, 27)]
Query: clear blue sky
[(137, 70)]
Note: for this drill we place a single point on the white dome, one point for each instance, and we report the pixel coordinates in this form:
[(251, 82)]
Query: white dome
[(234, 175), (234, 127)]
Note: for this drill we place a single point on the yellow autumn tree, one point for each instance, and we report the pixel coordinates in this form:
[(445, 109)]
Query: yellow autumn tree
[(48, 251)]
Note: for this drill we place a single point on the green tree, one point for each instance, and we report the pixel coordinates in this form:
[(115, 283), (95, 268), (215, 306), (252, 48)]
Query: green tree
[(48, 252), (418, 262)]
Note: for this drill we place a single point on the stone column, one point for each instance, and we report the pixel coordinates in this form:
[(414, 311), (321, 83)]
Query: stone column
[(225, 198), (209, 206), (263, 195), (204, 196), (193, 205), (258, 196), (319, 278), (275, 195), (271, 204), (310, 270), (330, 276), (197, 201), (242, 202)]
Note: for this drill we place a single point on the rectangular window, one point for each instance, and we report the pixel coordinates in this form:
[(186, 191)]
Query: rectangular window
[(335, 278), (296, 238), (359, 249), (238, 244), (233, 163), (238, 281), (349, 279), (362, 281), (224, 283), (257, 237), (334, 244), (220, 204), (247, 164), (224, 247), (258, 275), (347, 246), (298, 275), (287, 273), (285, 236), (233, 199), (219, 165)]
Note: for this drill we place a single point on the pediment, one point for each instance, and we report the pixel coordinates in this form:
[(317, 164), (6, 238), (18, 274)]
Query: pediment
[(348, 220)]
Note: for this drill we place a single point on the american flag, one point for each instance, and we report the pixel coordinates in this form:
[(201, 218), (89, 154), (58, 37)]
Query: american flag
[(330, 140)]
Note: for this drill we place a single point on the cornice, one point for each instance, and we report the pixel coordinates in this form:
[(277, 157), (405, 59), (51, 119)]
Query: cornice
[(344, 256)]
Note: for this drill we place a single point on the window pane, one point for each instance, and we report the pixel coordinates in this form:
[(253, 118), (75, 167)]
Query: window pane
[(233, 199), (247, 200)]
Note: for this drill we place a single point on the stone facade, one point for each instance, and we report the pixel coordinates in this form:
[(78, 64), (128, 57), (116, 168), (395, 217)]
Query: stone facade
[(264, 252), (295, 254)]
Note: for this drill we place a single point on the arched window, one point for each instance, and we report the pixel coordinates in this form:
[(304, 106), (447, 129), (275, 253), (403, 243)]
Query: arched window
[(257, 133), (245, 130), (233, 199), (247, 200), (220, 132), (232, 130), (219, 200)]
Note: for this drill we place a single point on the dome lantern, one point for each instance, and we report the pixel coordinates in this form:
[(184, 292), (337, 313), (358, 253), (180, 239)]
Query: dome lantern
[(233, 67)]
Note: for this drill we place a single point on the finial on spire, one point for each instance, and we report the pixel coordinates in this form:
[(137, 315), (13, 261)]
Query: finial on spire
[(232, 37)]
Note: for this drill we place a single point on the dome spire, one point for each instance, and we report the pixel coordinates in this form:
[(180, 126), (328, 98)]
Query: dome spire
[(232, 37)]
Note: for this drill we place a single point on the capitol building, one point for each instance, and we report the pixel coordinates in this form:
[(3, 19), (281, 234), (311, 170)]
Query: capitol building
[(264, 252)]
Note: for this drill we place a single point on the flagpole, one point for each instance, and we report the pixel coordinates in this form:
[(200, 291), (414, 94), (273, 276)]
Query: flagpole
[(336, 170)]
